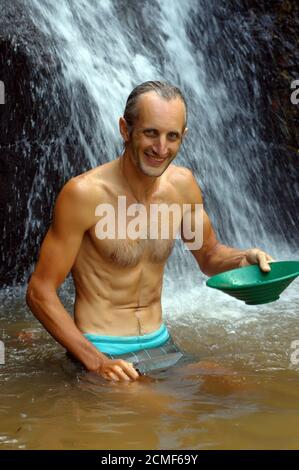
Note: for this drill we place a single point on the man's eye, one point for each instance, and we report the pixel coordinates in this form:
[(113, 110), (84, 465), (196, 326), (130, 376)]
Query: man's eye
[(150, 133), (173, 135)]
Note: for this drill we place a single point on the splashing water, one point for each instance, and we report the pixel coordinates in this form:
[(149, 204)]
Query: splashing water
[(105, 49)]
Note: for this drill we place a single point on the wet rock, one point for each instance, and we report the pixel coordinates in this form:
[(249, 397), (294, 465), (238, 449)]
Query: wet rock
[(31, 124)]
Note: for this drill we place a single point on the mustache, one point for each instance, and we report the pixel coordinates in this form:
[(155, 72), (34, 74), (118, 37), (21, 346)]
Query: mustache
[(155, 155)]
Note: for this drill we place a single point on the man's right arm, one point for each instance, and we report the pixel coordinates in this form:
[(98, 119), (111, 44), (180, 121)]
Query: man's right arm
[(73, 216)]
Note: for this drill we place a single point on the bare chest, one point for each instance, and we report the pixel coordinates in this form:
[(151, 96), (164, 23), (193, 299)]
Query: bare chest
[(126, 235)]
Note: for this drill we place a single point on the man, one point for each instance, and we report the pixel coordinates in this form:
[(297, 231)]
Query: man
[(118, 280)]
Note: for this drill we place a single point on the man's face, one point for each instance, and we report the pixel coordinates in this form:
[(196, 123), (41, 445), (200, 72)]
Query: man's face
[(157, 134)]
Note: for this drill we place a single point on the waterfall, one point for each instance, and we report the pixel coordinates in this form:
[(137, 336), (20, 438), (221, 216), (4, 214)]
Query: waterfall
[(105, 48)]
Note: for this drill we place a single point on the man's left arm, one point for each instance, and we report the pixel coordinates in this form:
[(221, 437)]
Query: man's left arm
[(212, 256)]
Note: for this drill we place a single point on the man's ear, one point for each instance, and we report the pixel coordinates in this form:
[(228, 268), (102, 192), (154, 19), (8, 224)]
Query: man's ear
[(123, 129), (185, 133)]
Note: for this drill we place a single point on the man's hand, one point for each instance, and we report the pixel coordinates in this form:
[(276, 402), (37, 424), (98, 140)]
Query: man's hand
[(117, 370), (257, 256)]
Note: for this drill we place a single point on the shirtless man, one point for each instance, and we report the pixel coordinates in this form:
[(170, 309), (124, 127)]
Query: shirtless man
[(119, 281)]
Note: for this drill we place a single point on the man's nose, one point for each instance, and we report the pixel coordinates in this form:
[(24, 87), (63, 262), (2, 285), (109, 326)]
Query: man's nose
[(161, 147)]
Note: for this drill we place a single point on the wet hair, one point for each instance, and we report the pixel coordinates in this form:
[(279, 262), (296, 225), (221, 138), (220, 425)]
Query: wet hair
[(163, 89)]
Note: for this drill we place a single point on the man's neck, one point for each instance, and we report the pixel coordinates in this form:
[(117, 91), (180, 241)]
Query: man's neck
[(141, 185)]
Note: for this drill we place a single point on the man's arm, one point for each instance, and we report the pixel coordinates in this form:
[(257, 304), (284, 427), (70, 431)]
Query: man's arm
[(214, 257), (73, 216)]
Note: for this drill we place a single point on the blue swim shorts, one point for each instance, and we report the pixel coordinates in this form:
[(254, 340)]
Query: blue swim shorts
[(151, 352)]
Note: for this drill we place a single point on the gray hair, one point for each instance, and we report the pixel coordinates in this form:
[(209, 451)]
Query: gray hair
[(163, 89)]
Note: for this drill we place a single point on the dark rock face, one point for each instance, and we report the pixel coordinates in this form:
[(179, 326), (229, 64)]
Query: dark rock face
[(30, 135), (252, 47), (17, 164), (266, 49), (36, 129), (275, 29)]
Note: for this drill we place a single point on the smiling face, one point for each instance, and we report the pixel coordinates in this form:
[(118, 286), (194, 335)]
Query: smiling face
[(157, 133)]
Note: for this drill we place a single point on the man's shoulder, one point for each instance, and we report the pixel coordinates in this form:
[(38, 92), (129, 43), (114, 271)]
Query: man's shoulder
[(79, 197), (183, 180), (180, 175), (87, 185), (76, 189)]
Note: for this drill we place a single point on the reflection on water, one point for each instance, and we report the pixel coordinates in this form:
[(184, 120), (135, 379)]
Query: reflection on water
[(47, 403)]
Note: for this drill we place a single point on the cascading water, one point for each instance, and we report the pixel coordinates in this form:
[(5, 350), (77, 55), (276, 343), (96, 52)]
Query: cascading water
[(106, 48)]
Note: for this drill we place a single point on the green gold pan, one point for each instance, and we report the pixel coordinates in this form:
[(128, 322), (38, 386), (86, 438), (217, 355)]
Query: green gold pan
[(254, 286)]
